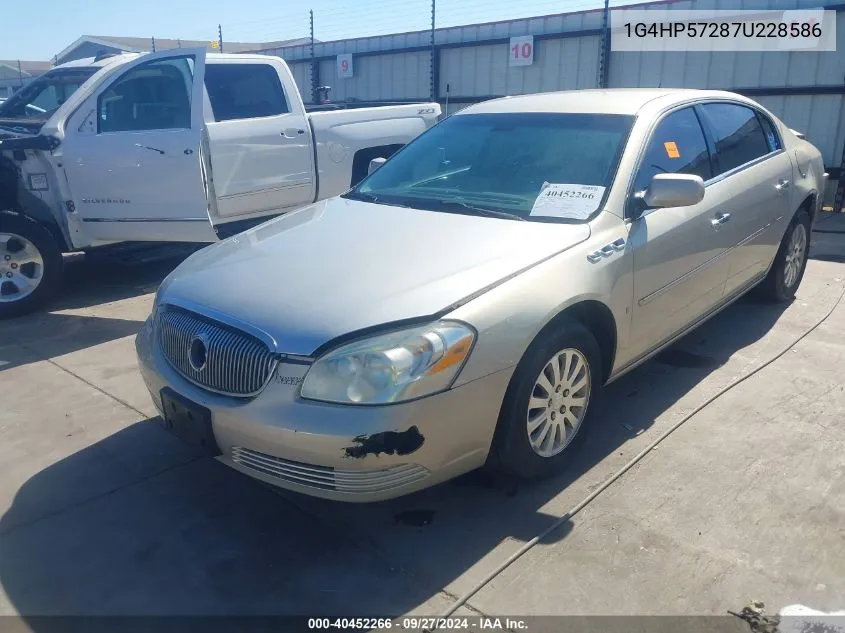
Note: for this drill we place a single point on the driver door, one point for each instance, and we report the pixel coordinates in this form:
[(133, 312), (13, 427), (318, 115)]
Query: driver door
[(680, 253), (132, 153)]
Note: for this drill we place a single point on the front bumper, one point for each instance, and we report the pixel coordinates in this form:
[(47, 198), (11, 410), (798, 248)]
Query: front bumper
[(347, 453)]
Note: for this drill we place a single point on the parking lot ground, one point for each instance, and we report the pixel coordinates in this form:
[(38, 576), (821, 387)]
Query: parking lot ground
[(103, 512)]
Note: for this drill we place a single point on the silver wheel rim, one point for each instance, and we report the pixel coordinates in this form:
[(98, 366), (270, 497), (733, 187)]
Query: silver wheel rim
[(21, 267), (558, 402), (795, 252)]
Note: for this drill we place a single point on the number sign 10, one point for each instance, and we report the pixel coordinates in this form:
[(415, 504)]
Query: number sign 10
[(521, 51)]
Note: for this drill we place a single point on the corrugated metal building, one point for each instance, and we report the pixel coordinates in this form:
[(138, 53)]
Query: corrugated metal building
[(467, 64)]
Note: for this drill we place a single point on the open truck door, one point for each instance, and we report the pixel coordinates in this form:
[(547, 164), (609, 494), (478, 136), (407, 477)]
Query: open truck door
[(131, 153)]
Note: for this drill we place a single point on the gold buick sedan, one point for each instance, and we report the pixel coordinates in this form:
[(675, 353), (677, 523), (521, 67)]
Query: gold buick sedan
[(465, 303)]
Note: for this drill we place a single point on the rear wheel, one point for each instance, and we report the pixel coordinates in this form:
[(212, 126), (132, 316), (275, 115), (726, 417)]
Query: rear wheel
[(788, 267), (30, 265), (544, 415)]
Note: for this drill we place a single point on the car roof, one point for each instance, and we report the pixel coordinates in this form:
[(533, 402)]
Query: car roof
[(628, 101)]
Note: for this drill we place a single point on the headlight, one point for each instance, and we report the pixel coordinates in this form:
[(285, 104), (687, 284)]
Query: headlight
[(393, 367)]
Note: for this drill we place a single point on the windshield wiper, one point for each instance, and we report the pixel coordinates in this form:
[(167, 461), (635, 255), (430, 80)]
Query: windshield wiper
[(357, 195), (482, 211), (371, 197)]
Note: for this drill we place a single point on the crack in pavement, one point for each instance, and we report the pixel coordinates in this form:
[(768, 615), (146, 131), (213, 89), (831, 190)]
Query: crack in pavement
[(333, 527), (85, 380), (106, 493)]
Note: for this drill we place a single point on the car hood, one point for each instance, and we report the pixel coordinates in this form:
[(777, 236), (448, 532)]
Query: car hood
[(339, 266)]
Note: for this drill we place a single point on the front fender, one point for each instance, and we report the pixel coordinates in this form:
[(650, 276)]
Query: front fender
[(511, 315)]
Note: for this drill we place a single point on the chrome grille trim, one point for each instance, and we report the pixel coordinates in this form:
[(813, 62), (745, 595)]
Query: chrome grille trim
[(237, 363), (327, 478)]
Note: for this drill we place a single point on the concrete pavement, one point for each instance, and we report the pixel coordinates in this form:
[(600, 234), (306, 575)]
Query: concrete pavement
[(105, 513)]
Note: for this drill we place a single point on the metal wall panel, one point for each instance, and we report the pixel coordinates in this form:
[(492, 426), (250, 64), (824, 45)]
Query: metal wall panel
[(560, 64), (479, 70), (302, 76), (821, 118), (401, 76)]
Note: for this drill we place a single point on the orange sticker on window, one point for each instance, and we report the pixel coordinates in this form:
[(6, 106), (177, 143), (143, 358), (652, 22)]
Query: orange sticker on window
[(671, 149)]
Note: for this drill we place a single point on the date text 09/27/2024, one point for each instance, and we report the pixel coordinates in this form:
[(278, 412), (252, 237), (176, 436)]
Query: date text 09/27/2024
[(481, 623)]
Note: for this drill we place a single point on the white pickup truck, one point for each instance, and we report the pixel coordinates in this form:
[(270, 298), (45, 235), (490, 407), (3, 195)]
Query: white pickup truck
[(169, 146)]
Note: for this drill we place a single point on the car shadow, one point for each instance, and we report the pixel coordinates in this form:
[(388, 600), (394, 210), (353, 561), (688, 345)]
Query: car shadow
[(48, 335), (100, 277), (138, 523), (91, 280)]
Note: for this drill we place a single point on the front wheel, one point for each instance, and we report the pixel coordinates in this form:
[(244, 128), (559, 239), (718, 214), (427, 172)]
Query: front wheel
[(544, 414), (788, 266), (30, 265)]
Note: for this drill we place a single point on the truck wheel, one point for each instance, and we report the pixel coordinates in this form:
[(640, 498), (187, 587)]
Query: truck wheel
[(30, 265), (542, 420)]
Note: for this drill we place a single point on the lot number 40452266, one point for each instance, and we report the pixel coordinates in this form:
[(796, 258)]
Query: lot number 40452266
[(521, 51)]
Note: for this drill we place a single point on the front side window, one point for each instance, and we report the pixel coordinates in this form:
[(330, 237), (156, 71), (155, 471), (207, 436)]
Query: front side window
[(244, 91), (151, 96), (677, 146), (503, 162), (737, 133)]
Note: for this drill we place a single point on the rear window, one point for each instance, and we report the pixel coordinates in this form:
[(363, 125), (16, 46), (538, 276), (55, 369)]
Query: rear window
[(244, 91), (772, 137), (738, 134)]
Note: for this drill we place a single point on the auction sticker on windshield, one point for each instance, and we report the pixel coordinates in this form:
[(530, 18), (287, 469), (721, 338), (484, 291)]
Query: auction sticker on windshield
[(575, 202)]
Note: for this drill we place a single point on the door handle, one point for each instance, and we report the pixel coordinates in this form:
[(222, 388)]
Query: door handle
[(782, 185), (720, 218), (152, 149), (292, 132)]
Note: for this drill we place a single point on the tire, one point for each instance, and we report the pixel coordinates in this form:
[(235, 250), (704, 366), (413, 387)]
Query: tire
[(30, 265), (512, 452), (789, 264)]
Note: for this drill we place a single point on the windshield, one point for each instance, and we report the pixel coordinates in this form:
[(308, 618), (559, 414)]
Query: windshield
[(38, 100), (528, 166)]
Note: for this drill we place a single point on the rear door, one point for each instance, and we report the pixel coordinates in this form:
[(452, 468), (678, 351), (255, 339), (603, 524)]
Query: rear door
[(262, 158), (752, 184), (131, 152), (680, 262)]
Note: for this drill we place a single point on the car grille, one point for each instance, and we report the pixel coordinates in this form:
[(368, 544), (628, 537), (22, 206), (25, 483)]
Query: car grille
[(236, 363), (326, 478)]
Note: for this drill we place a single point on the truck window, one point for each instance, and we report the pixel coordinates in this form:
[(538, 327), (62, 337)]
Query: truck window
[(41, 98), (244, 91), (152, 96)]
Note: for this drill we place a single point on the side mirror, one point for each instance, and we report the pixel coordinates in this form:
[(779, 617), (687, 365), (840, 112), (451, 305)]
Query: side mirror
[(674, 190), (376, 163)]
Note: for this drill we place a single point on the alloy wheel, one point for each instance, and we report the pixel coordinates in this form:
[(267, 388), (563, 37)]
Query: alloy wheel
[(558, 402), (795, 253), (21, 267)]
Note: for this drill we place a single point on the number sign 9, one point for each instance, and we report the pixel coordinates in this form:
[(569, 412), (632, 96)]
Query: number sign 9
[(344, 66), (521, 51)]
